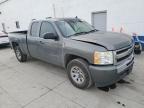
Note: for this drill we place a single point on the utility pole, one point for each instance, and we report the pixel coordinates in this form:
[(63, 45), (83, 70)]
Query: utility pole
[(54, 12)]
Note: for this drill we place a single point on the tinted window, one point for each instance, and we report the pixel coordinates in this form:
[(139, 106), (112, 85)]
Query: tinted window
[(65, 28), (46, 27), (34, 28)]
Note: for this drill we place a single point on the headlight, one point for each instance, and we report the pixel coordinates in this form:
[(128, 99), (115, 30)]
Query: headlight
[(103, 58)]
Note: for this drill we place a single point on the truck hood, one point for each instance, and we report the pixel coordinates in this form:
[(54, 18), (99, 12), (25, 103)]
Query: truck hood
[(109, 40)]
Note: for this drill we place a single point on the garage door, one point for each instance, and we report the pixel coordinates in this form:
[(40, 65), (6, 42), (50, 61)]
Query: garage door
[(99, 20)]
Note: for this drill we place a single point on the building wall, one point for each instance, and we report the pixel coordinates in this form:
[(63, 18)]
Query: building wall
[(125, 14)]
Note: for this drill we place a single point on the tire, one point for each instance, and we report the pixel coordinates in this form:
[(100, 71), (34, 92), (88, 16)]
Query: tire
[(79, 74), (137, 51), (19, 54)]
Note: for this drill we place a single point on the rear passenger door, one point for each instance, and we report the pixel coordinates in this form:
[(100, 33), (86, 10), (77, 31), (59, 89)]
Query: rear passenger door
[(50, 50), (33, 39)]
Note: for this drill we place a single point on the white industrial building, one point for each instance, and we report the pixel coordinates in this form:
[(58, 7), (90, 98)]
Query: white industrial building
[(117, 15)]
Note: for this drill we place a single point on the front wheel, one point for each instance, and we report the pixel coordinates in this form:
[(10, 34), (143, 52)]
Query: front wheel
[(19, 54), (78, 73)]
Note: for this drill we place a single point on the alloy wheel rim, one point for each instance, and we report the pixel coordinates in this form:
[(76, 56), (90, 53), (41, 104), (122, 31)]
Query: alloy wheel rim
[(77, 75), (18, 54)]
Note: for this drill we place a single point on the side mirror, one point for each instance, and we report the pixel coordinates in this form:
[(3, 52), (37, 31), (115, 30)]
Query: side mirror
[(50, 36)]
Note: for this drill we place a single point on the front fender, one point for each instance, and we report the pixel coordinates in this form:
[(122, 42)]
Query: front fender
[(81, 49)]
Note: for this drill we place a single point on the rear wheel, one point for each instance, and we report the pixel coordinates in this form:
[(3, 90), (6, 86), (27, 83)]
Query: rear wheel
[(19, 54), (137, 51), (78, 73)]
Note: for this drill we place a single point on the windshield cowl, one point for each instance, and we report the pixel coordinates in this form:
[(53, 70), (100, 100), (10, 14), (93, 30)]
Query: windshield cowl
[(81, 33)]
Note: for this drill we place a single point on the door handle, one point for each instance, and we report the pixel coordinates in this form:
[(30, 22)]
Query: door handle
[(41, 42)]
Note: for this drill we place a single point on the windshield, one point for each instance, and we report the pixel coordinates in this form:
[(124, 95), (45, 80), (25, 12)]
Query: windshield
[(74, 27)]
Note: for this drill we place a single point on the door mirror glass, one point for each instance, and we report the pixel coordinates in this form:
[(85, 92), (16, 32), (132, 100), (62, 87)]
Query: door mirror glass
[(50, 36)]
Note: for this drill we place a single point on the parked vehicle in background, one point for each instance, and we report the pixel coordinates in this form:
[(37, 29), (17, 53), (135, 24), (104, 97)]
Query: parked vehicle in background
[(137, 48), (4, 41), (139, 44), (88, 55)]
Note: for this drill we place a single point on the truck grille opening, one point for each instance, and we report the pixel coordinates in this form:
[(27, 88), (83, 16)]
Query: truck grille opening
[(125, 57), (124, 53), (123, 50)]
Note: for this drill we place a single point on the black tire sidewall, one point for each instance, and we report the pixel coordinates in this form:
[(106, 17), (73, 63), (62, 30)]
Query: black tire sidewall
[(83, 66), (137, 51)]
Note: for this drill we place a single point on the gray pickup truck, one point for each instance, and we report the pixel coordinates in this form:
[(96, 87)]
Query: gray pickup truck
[(88, 55)]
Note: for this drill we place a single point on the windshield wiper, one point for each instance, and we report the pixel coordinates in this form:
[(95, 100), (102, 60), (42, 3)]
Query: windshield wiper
[(94, 30), (77, 34)]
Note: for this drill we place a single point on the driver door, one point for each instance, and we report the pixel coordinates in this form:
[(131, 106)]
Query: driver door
[(50, 50)]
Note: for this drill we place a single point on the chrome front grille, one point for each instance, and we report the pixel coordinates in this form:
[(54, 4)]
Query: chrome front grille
[(124, 53)]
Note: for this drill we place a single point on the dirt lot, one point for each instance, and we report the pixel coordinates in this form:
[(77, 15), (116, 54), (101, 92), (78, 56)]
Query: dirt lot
[(35, 84)]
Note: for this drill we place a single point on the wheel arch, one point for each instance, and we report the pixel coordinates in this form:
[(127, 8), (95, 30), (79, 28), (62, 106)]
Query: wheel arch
[(14, 44), (69, 57)]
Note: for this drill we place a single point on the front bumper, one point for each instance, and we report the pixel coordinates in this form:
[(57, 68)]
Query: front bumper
[(107, 75)]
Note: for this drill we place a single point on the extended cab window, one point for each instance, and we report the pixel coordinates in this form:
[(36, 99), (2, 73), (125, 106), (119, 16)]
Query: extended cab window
[(34, 29), (46, 27)]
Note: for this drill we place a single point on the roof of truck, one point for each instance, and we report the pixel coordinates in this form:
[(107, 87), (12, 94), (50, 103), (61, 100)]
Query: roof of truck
[(56, 19)]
